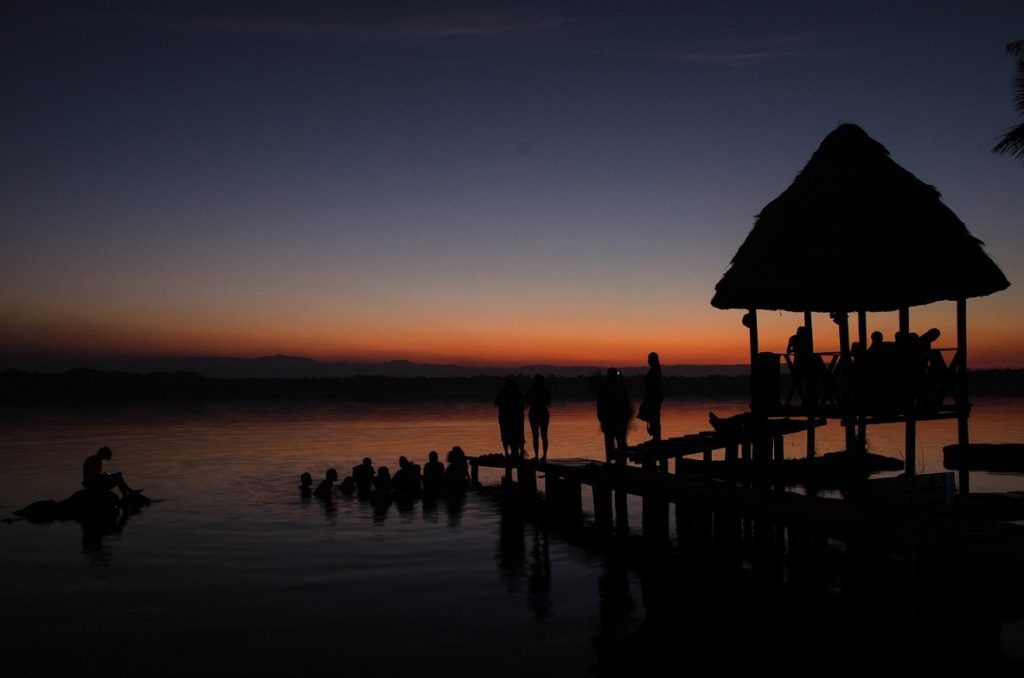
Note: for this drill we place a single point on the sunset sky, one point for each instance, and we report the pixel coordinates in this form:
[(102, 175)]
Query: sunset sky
[(469, 182)]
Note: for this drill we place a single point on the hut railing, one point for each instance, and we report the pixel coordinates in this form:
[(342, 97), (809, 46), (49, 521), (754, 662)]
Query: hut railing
[(894, 385)]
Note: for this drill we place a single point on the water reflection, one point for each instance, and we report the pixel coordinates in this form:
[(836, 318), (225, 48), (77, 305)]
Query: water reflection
[(94, 531), (517, 565)]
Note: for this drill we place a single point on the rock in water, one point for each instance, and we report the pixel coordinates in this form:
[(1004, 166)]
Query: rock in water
[(39, 512)]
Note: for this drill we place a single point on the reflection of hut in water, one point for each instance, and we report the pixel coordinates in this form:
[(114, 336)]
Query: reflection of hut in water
[(857, 233)]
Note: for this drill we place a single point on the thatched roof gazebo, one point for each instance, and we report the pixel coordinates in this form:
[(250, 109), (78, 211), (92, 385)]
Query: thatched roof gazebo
[(855, 232)]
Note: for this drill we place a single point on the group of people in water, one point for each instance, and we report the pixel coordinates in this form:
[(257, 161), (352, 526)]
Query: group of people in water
[(409, 480), (614, 411), (515, 408)]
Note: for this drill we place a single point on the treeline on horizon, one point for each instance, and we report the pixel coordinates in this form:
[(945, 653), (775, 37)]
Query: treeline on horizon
[(84, 386)]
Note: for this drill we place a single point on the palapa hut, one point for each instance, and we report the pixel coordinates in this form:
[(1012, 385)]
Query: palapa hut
[(855, 232)]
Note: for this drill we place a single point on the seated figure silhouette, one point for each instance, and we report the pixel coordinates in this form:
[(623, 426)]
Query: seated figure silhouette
[(363, 475), (877, 342), (306, 485), (433, 472), (936, 372), (456, 476), (94, 478), (407, 477), (326, 486), (382, 481), (799, 347)]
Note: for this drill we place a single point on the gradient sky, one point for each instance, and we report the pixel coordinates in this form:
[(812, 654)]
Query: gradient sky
[(469, 182)]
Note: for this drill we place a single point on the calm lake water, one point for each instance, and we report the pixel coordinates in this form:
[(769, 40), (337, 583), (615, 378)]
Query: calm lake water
[(233, 573)]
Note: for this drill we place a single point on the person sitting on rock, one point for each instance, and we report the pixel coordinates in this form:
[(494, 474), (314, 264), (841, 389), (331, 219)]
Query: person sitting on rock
[(94, 478)]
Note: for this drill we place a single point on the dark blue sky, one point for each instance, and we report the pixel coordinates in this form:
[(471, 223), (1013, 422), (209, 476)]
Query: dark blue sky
[(468, 181)]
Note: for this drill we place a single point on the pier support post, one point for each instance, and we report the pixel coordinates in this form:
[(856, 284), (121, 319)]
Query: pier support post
[(655, 508), (621, 510), (573, 498), (602, 506), (728, 535), (474, 472), (911, 445), (527, 478)]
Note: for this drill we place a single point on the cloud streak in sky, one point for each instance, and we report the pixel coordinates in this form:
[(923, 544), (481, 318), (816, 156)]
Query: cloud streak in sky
[(485, 23), (738, 53)]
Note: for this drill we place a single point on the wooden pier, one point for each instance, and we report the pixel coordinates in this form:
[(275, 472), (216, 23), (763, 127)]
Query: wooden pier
[(916, 518)]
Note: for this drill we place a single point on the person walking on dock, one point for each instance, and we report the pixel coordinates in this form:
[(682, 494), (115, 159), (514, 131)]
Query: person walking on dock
[(538, 398), (511, 404), (650, 407), (614, 410)]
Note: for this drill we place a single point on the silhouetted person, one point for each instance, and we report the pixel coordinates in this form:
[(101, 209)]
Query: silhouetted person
[(94, 478), (614, 411), (326, 486), (363, 475), (650, 407), (877, 342), (306, 485), (382, 481), (538, 398), (407, 477), (510, 404), (433, 472), (456, 476), (799, 347), (937, 370)]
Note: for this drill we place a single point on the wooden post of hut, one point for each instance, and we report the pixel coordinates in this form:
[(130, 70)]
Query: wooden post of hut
[(910, 431), (810, 386), (862, 337), (963, 435), (750, 320), (849, 413)]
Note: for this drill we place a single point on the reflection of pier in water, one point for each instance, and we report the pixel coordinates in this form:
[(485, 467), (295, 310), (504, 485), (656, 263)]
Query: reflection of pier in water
[(782, 576)]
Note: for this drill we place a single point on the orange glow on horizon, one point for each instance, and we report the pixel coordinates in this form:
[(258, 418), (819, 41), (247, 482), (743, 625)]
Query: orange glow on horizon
[(719, 339)]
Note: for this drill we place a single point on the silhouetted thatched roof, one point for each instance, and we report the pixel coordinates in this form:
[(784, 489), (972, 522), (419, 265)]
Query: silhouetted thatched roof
[(855, 231)]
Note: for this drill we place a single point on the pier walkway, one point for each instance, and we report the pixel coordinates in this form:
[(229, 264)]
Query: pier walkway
[(913, 519)]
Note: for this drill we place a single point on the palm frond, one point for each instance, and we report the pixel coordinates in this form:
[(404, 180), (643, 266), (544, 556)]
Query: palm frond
[(1012, 142)]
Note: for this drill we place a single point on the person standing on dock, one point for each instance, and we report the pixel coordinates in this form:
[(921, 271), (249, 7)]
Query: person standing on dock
[(650, 407), (538, 398), (511, 405), (614, 411)]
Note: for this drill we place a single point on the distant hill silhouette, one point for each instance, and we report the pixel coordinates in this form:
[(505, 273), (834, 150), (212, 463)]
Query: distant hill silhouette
[(292, 367), (91, 386)]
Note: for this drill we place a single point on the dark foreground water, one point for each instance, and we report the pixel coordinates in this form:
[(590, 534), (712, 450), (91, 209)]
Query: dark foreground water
[(233, 574)]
